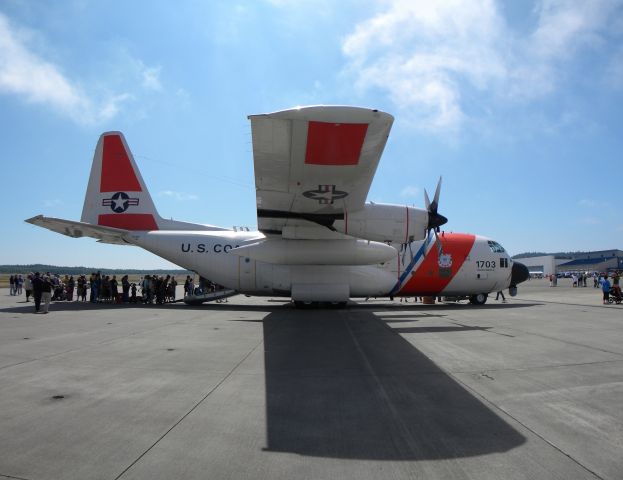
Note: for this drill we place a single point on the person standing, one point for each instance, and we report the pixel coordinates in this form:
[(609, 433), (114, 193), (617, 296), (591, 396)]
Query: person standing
[(12, 285), (500, 292), (114, 289), (605, 288), (93, 297), (84, 287), (71, 284), (187, 286), (46, 293), (125, 288), (37, 289), (28, 285)]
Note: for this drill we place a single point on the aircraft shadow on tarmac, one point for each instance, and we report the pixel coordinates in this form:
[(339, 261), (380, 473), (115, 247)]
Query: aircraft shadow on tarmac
[(62, 306), (343, 384)]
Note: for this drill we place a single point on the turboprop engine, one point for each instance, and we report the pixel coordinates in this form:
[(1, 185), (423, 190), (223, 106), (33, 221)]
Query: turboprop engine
[(393, 223), (382, 222)]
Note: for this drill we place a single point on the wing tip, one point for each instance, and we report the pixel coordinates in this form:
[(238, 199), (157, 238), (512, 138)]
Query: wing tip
[(303, 112)]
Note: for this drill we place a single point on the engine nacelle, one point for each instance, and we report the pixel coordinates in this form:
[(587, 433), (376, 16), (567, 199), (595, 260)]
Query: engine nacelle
[(381, 222)]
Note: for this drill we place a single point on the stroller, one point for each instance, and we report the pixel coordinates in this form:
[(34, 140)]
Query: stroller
[(615, 295), (59, 293)]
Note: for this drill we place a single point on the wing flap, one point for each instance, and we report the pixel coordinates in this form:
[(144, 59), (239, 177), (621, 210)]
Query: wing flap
[(81, 229)]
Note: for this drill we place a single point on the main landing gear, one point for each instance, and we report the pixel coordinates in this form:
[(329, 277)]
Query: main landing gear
[(478, 299)]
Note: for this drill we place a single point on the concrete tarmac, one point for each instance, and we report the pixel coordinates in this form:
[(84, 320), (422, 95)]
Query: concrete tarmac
[(252, 388)]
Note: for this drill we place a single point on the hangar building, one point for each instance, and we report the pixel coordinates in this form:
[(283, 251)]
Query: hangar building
[(600, 261), (544, 265)]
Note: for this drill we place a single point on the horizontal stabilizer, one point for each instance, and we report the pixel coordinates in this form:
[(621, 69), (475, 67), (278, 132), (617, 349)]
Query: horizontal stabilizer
[(81, 229)]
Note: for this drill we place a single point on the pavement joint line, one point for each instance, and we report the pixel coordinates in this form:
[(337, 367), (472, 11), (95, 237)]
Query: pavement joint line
[(382, 393), (12, 477), (539, 367), (513, 328), (577, 344), (565, 303), (498, 408), (212, 390)]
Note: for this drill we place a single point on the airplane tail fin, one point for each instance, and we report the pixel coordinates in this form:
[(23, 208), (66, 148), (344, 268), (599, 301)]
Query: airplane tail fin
[(117, 196)]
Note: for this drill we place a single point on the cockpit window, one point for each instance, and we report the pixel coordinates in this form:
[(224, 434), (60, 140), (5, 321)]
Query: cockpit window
[(495, 247)]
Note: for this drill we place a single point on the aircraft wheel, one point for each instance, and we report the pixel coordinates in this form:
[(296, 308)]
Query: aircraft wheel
[(305, 305), (478, 299)]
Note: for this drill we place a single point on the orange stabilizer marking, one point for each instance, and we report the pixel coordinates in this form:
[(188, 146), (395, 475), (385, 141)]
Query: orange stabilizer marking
[(128, 221)]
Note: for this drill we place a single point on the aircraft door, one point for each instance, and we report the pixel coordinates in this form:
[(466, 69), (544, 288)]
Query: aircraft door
[(246, 275)]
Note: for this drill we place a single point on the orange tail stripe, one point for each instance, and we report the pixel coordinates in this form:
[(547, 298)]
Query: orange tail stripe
[(117, 172)]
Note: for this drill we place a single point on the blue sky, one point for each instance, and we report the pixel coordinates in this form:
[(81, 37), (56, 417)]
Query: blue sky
[(517, 104)]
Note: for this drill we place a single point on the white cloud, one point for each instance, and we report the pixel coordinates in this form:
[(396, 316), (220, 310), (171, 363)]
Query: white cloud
[(429, 57), (419, 52), (410, 191), (590, 221), (590, 203), (151, 78), (614, 72), (54, 202), (181, 196), (26, 74)]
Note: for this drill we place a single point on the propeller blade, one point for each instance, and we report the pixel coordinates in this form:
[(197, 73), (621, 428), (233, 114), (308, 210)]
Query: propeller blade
[(436, 197), (435, 220)]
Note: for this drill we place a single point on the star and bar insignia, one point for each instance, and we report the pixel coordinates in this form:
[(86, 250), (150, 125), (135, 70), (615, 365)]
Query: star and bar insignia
[(119, 202)]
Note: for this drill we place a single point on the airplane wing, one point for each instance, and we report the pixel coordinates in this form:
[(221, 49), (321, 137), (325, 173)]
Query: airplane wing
[(314, 165), (81, 229)]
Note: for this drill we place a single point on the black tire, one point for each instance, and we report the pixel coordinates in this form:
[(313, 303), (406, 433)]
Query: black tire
[(300, 304), (478, 299)]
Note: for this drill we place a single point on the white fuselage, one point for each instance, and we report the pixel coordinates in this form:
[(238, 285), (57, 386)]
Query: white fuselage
[(471, 267)]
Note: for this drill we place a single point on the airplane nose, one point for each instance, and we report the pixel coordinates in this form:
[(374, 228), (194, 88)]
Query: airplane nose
[(519, 273)]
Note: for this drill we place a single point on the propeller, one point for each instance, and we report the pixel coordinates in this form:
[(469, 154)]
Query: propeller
[(435, 220)]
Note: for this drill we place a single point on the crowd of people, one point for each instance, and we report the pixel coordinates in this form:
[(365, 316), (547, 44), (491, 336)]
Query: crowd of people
[(609, 284), (97, 287), (205, 287)]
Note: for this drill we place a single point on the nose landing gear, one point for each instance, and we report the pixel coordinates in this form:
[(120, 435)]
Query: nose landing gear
[(478, 299)]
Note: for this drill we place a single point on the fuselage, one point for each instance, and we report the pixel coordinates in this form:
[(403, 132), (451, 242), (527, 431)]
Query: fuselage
[(467, 265)]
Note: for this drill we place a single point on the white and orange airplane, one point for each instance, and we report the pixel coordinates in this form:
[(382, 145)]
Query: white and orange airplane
[(317, 238)]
